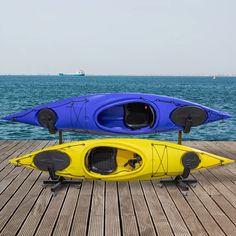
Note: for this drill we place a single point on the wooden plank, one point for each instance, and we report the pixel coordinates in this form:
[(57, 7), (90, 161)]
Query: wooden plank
[(13, 148), (16, 183), (34, 216), (112, 219), (15, 201), (221, 150), (219, 185), (82, 211), (231, 168), (130, 211), (222, 175), (67, 212), (231, 197), (229, 174), (33, 219), (50, 217), (227, 152), (128, 218), (6, 167), (23, 209), (8, 193), (188, 215), (195, 144), (145, 224), (4, 147), (223, 221), (12, 175), (213, 192), (213, 180), (213, 148), (159, 218), (173, 215), (7, 178), (3, 141), (220, 200), (226, 147), (96, 221), (202, 214)]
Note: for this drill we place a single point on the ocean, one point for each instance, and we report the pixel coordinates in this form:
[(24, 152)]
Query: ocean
[(21, 92)]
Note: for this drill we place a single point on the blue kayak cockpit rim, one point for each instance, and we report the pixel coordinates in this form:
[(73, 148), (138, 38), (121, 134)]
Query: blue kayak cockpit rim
[(123, 116)]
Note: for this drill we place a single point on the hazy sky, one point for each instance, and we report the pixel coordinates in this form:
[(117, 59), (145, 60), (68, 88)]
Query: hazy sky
[(143, 37)]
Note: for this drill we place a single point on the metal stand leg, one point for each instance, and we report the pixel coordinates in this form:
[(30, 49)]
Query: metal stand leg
[(60, 137), (58, 183), (183, 184), (180, 137)]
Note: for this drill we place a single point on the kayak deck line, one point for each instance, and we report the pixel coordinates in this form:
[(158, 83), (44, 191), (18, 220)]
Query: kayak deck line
[(145, 202)]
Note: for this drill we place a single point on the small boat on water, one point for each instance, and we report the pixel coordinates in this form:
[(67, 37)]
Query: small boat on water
[(79, 73)]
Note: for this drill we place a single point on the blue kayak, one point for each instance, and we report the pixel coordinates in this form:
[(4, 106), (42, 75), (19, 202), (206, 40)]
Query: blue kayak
[(119, 113)]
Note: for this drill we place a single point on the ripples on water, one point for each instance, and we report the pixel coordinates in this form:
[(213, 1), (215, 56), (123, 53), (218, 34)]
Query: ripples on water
[(22, 92)]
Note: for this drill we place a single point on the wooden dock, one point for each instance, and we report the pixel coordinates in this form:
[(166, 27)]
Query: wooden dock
[(125, 208)]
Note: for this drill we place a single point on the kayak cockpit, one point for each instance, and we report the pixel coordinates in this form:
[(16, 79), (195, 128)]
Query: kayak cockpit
[(133, 116), (109, 160)]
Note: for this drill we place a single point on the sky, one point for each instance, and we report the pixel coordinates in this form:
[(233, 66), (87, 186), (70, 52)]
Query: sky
[(118, 37)]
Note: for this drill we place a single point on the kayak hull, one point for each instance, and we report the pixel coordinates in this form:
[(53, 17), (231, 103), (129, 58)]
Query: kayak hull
[(133, 159), (118, 113)]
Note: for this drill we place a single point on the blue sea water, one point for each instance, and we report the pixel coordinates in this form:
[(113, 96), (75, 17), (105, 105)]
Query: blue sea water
[(21, 92)]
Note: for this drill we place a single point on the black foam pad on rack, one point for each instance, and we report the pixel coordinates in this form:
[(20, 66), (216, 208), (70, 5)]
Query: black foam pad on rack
[(190, 160), (189, 116), (47, 118), (52, 159)]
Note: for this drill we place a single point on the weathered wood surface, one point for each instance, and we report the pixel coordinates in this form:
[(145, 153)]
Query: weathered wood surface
[(125, 208)]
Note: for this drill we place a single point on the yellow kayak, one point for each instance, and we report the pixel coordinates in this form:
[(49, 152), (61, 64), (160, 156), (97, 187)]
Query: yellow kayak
[(120, 159)]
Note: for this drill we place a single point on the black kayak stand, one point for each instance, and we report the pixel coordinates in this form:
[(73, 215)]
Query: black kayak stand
[(60, 136), (181, 182), (57, 182), (52, 161), (180, 137), (190, 160)]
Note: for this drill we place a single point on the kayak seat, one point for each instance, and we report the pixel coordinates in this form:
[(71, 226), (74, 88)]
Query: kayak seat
[(102, 160), (138, 115)]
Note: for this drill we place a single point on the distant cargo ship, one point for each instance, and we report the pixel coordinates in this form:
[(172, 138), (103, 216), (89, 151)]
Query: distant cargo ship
[(80, 73)]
